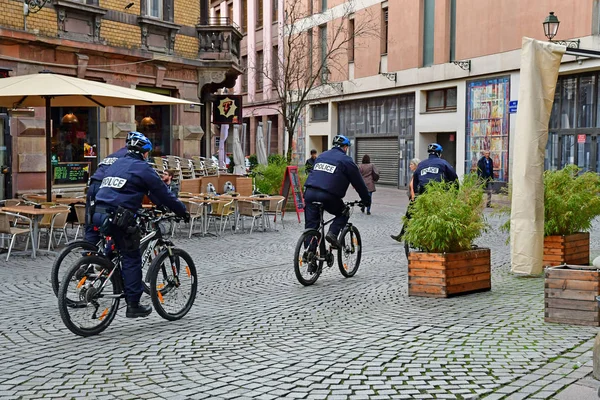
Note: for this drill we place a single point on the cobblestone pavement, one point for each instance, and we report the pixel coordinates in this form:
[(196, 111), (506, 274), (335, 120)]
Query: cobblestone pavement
[(255, 332)]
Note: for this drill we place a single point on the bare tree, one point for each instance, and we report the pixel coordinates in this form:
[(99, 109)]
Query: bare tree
[(315, 47)]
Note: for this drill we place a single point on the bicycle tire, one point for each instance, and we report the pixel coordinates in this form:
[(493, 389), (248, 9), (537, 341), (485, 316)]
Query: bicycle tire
[(350, 252), (165, 287), (304, 256), (78, 274), (66, 257)]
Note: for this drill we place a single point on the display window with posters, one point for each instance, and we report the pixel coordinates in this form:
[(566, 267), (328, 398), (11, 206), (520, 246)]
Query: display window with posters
[(488, 124)]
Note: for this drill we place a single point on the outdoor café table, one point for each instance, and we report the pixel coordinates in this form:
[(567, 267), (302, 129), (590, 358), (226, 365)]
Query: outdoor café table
[(36, 214), (59, 200), (260, 200)]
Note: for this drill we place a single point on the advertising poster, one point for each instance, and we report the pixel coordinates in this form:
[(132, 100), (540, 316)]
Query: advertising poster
[(487, 124)]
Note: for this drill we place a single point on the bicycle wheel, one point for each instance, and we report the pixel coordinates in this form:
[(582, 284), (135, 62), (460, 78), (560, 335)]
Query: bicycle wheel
[(88, 299), (307, 265), (67, 257), (350, 252), (173, 284)]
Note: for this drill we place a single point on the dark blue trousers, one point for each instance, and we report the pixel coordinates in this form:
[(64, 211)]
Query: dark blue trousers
[(332, 204), (91, 235), (131, 267)]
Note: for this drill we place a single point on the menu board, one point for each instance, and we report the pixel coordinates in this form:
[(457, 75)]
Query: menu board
[(487, 124), (292, 181), (70, 172)]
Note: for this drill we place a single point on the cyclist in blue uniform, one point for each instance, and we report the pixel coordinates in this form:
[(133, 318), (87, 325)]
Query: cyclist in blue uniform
[(92, 235), (120, 195), (433, 169), (328, 182)]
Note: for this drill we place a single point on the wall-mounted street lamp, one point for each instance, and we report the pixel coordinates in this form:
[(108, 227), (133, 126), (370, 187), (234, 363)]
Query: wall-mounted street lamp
[(551, 24)]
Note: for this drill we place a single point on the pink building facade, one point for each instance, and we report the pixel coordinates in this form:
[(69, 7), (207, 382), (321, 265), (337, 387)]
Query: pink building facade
[(260, 21), (447, 71)]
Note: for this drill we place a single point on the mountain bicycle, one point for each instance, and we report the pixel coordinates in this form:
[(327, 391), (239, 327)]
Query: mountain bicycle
[(92, 288), (149, 246), (312, 251)]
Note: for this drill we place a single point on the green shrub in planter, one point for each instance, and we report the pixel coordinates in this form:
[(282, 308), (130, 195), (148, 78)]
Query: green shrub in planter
[(447, 218), (571, 200), (269, 178)]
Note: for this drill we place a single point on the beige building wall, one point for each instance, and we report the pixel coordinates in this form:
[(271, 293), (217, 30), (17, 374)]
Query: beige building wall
[(488, 34)]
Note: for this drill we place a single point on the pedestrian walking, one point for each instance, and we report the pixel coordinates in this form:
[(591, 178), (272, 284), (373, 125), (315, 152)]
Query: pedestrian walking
[(370, 175), (485, 172)]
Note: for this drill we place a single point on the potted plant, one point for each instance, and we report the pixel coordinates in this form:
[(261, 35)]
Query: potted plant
[(571, 202), (445, 220)]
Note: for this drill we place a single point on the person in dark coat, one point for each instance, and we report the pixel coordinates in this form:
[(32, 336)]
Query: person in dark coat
[(370, 175), (333, 172), (433, 168), (310, 163), (485, 172), (125, 184)]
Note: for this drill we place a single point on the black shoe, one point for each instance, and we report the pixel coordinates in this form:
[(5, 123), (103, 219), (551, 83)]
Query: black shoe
[(137, 310), (362, 209), (333, 240), (368, 212), (397, 238)]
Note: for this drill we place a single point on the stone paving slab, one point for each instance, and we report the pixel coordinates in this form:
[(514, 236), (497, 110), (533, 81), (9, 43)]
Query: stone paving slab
[(254, 332)]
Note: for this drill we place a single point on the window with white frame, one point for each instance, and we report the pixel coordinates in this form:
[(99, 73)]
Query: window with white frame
[(154, 8)]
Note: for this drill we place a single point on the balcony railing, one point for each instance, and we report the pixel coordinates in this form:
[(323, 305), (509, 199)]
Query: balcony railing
[(219, 39)]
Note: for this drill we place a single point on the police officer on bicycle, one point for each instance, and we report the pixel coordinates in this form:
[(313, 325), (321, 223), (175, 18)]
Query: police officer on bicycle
[(91, 234), (328, 182), (120, 195), (433, 169)]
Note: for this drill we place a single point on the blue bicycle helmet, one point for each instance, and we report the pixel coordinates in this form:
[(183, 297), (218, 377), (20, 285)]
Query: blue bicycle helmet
[(435, 148), (138, 143), (341, 140), (130, 135)]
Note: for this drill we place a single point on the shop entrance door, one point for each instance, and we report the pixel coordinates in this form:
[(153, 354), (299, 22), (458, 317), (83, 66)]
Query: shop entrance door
[(5, 159), (448, 142)]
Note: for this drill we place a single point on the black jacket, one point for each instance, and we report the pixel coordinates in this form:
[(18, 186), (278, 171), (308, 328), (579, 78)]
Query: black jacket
[(482, 170)]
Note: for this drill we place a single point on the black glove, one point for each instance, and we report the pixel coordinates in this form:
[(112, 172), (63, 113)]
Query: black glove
[(186, 217), (365, 203)]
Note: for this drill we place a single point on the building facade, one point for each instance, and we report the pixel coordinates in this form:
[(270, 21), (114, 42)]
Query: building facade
[(169, 47), (447, 71), (260, 22)]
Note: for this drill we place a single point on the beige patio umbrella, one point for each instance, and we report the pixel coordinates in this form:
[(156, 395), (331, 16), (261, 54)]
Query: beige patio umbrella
[(261, 151), (47, 90)]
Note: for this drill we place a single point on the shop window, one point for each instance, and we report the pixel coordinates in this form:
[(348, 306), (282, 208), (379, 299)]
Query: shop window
[(74, 139), (585, 101), (488, 124), (441, 99), (319, 112), (154, 122)]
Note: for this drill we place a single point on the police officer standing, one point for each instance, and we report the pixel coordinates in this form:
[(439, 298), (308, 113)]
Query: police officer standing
[(120, 195), (433, 169), (91, 235), (332, 173)]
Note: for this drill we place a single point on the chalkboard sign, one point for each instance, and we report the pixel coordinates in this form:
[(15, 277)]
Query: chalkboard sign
[(71, 172), (291, 180)]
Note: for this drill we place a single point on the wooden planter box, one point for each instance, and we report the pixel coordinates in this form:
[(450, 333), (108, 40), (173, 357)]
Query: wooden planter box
[(567, 249), (449, 274), (570, 295)]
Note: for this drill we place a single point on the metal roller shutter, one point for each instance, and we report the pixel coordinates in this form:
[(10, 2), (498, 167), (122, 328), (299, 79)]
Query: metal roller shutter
[(384, 154)]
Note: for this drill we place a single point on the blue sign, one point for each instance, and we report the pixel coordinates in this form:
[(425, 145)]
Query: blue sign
[(512, 106)]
